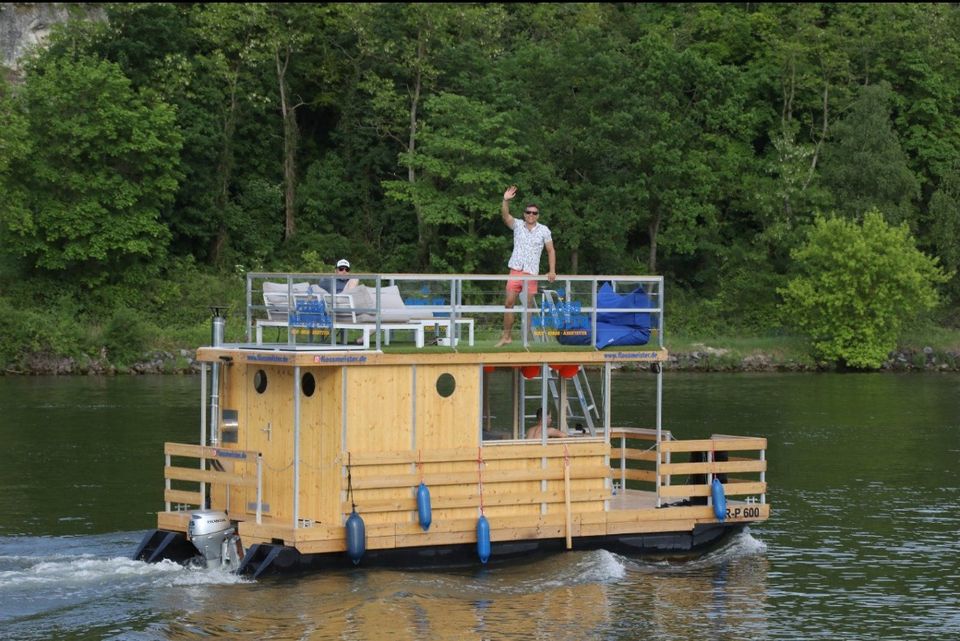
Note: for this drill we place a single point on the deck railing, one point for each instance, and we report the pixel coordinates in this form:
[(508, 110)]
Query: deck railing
[(217, 475), (633, 453), (743, 474), (458, 296), (633, 456)]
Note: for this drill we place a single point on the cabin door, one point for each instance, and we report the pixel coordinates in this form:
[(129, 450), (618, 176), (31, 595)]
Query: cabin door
[(321, 425), (270, 432)]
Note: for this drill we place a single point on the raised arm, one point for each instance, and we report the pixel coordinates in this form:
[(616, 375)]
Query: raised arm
[(505, 205)]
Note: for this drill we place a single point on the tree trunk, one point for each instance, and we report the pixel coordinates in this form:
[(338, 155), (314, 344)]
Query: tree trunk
[(225, 169), (574, 261), (423, 249), (290, 136), (823, 134), (654, 229)]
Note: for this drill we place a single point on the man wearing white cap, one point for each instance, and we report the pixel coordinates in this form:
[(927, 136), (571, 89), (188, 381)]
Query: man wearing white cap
[(343, 269)]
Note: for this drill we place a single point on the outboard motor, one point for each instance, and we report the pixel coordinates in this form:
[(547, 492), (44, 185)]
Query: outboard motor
[(215, 538)]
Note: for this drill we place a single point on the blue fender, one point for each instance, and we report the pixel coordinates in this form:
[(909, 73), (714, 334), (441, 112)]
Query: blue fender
[(423, 506), (719, 500), (356, 537), (483, 539)]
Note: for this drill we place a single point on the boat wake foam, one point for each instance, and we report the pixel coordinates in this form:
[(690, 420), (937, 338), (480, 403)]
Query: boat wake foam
[(49, 578), (63, 573), (598, 566), (741, 545)]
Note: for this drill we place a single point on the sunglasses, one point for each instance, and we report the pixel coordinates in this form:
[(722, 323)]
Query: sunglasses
[(535, 213), (343, 269)]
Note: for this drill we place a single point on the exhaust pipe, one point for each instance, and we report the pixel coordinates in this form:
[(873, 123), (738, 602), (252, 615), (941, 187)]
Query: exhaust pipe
[(217, 325)]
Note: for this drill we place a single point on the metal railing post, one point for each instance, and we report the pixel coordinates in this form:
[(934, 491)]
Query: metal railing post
[(659, 429), (763, 477), (166, 483)]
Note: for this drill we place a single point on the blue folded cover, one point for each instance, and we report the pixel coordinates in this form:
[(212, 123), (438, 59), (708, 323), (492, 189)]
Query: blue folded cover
[(616, 328)]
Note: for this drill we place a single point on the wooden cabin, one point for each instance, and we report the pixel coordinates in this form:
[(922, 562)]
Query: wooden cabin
[(307, 430)]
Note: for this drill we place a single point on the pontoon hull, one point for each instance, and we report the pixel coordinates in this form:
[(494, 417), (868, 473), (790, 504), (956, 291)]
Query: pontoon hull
[(264, 558)]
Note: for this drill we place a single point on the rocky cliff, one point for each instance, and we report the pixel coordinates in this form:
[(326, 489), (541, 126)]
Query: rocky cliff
[(24, 25)]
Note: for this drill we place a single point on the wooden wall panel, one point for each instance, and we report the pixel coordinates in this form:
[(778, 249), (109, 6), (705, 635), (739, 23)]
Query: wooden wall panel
[(448, 422), (379, 419), (379, 408), (452, 421)]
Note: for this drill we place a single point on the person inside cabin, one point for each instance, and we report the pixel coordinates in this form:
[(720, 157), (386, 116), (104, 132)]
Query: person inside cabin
[(534, 432), (529, 239)]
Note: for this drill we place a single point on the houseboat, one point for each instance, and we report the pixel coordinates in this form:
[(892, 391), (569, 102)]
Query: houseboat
[(379, 425)]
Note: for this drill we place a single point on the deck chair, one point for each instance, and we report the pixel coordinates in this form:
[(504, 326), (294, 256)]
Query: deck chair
[(277, 303)]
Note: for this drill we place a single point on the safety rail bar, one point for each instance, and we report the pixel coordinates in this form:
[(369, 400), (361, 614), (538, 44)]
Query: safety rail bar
[(205, 476), (455, 307), (642, 466)]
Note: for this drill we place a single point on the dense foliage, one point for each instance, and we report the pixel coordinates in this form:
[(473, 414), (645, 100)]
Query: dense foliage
[(140, 154), (857, 287)]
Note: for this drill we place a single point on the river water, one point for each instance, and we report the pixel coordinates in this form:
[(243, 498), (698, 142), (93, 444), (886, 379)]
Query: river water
[(863, 540)]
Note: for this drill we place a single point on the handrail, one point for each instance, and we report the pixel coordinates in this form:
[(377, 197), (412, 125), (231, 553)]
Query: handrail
[(456, 307), (208, 477), (640, 470), (637, 465)]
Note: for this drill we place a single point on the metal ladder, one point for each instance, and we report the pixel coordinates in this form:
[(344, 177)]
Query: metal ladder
[(589, 414)]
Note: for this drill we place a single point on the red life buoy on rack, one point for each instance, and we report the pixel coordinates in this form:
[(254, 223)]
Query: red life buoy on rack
[(567, 370), (530, 371)]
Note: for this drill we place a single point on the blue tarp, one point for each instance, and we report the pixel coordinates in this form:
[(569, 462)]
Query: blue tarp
[(616, 328)]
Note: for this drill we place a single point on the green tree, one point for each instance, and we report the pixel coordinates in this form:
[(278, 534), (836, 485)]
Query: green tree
[(90, 173), (411, 52), (581, 123), (859, 284), (943, 220), (864, 165), (466, 155)]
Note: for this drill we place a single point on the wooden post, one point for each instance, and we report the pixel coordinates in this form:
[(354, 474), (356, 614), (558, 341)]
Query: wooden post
[(566, 499)]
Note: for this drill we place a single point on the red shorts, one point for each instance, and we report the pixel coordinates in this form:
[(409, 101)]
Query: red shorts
[(517, 285)]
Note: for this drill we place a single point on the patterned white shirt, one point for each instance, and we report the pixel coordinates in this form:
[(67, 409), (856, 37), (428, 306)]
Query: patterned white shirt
[(527, 246)]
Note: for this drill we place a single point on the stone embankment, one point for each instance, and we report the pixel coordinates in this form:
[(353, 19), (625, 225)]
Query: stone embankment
[(161, 362), (713, 359)]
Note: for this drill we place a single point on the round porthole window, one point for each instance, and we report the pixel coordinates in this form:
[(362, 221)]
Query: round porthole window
[(260, 381), (308, 384), (446, 383)]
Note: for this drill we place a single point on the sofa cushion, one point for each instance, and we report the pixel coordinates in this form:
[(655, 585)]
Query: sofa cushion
[(392, 309), (281, 288)]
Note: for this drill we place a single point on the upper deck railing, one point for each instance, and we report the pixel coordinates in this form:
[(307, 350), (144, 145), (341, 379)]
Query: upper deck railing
[(570, 310)]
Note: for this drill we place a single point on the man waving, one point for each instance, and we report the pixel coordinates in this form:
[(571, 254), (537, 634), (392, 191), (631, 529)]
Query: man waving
[(529, 239)]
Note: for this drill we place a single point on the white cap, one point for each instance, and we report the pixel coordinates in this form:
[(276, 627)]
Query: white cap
[(343, 262)]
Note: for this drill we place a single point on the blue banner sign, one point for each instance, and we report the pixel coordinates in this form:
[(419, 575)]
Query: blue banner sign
[(230, 454)]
